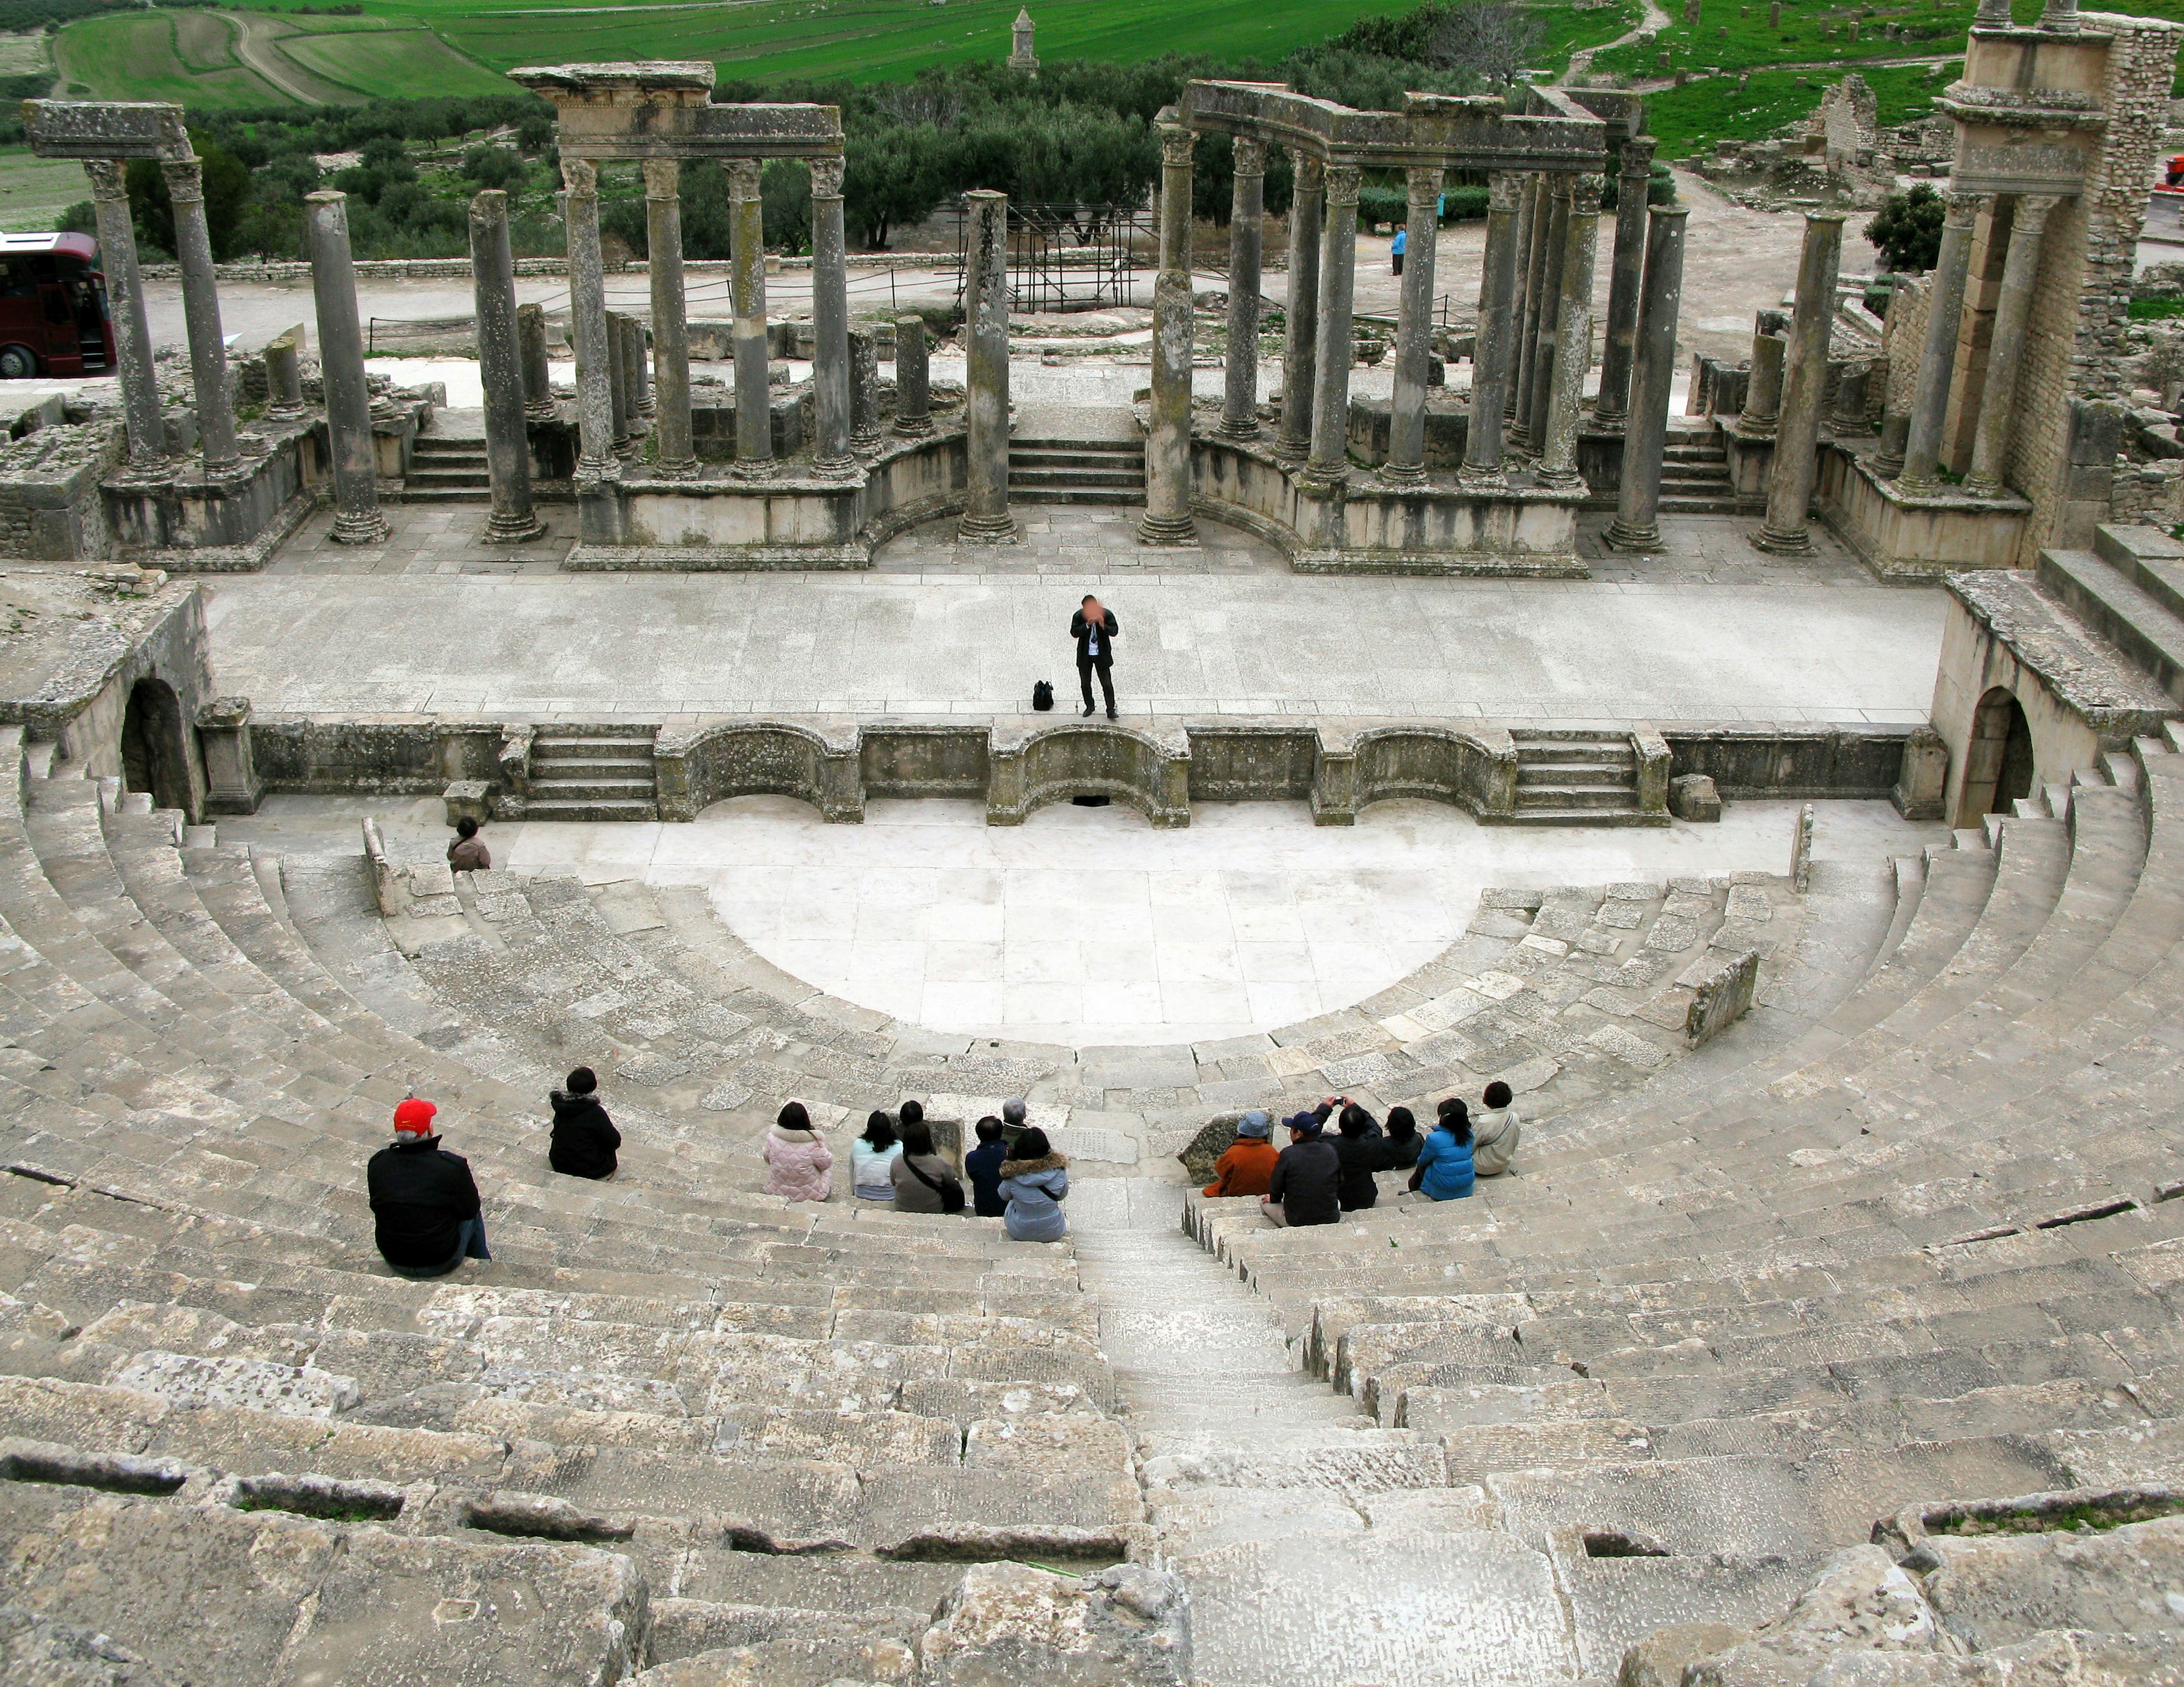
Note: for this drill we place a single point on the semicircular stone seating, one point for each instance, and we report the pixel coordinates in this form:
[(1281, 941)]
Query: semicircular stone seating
[(1901, 1240)]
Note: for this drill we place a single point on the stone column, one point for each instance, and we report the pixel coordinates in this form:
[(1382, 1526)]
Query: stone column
[(673, 454), (1541, 391), (2060, 17), (538, 378), (640, 370), (284, 379), (986, 518), (1992, 15), (1490, 361), (1535, 279), (618, 380), (1804, 384), (830, 319), (2013, 314), (1247, 216), (1626, 270), (864, 389), (201, 314), (1763, 392), (1520, 300), (1301, 343), (1938, 353), (125, 302), (1166, 519), (357, 518), (500, 371), (1329, 465), (747, 254), (913, 379), (1406, 410), (1637, 525), (1572, 337), (587, 323)]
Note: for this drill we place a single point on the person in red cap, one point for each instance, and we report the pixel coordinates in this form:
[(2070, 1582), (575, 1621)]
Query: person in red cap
[(425, 1208)]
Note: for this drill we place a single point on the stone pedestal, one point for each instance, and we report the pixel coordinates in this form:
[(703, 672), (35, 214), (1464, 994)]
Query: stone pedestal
[(1166, 519), (830, 319), (1763, 392), (500, 372), (747, 248), (1406, 421), (284, 379), (231, 783), (357, 517), (1300, 341), (673, 455), (1240, 411), (1804, 384), (216, 409), (1637, 524), (986, 517), (913, 379), (1627, 268), (539, 404)]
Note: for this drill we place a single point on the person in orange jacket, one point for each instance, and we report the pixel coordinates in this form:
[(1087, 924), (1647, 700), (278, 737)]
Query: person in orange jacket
[(1248, 1167)]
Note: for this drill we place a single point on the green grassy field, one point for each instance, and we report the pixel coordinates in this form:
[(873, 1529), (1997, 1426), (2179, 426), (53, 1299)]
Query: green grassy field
[(34, 191), (1690, 118)]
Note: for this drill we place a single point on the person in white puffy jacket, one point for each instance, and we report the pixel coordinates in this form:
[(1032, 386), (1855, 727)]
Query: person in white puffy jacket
[(1495, 1133)]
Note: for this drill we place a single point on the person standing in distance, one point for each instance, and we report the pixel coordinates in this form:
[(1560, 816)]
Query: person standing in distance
[(1093, 626)]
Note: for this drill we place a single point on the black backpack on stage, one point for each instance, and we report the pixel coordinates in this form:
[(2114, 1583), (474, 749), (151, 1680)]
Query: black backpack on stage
[(1042, 695)]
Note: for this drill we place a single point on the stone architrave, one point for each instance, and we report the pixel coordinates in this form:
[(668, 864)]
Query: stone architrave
[(1300, 336), (1763, 391), (501, 372), (1406, 410), (830, 321), (1804, 384), (1539, 396), (355, 472), (747, 258), (1626, 271), (201, 314), (537, 376), (1637, 525), (864, 389), (284, 378), (2013, 315), (1239, 412), (1166, 519), (913, 379), (587, 323), (1572, 337), (124, 303), (1330, 463), (674, 456), (1496, 342), (986, 517), (1938, 353)]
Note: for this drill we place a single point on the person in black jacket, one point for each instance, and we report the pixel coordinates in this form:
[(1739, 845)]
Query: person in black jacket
[(1093, 628), (1399, 1148), (584, 1137), (425, 1208), (1307, 1176), (1357, 1155)]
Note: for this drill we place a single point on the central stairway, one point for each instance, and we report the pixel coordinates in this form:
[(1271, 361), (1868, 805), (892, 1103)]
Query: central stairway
[(1043, 470), (447, 470), (1574, 777), (592, 772), (1695, 478)]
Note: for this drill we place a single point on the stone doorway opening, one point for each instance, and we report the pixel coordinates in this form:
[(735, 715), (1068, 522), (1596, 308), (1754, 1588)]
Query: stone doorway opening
[(1999, 765), (154, 758)]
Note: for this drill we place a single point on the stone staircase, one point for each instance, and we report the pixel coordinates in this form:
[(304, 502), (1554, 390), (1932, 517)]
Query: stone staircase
[(1576, 777), (1695, 474), (1059, 470), (2130, 589), (444, 469), (592, 773)]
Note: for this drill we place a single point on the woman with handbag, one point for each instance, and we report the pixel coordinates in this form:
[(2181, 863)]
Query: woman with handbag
[(923, 1181)]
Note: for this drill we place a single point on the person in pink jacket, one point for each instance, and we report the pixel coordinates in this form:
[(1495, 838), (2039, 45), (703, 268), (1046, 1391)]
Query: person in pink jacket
[(797, 1162)]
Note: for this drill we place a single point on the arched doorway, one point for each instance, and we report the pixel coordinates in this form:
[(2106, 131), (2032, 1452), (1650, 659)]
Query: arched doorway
[(1998, 765), (154, 753)]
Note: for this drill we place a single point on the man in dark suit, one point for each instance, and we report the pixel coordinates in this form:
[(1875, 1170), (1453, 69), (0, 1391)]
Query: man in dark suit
[(1093, 628)]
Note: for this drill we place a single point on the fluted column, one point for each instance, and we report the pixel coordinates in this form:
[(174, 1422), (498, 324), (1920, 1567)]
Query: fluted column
[(1166, 519), (1627, 268), (1804, 383), (1540, 392), (1491, 354), (2013, 314), (1637, 525), (1572, 337), (747, 258), (125, 304), (830, 319), (1406, 410), (355, 470), (201, 314), (1938, 353), (672, 452), (1247, 216), (1300, 341), (501, 372), (1338, 269), (986, 517), (587, 323)]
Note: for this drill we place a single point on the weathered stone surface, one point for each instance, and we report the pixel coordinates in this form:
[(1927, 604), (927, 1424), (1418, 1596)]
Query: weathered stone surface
[(1008, 1624), (1994, 1590), (1862, 1602), (1659, 1659), (39, 1652), (1721, 995)]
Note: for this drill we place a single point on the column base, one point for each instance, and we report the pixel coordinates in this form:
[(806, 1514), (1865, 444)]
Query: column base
[(1292, 450), (1613, 422), (753, 468), (595, 472), (1763, 428), (865, 442), (1167, 530), (1559, 480), (1476, 478), (226, 465), (913, 427), (286, 413), (1321, 481), (1633, 536), (677, 469), (1982, 486), (1403, 473), (1918, 486), (1885, 468), (834, 468), (513, 530), (548, 412), (360, 527), (1238, 430), (1794, 541), (988, 530)]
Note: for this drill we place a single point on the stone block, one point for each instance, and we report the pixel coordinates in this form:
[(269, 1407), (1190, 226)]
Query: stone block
[(469, 799), (1924, 776), (1007, 1624), (1692, 796), (1721, 995), (1659, 1659), (1801, 851)]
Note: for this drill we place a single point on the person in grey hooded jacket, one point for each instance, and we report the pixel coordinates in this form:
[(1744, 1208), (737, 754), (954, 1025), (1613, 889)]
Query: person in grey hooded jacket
[(1033, 1183)]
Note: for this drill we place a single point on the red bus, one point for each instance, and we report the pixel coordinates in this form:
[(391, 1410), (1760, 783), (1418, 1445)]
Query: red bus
[(53, 319)]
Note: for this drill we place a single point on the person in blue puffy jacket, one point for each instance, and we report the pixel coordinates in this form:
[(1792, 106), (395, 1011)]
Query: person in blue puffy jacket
[(1443, 1171)]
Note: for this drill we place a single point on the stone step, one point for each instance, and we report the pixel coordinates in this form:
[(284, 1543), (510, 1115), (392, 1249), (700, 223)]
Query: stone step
[(592, 748), (1566, 794), (1532, 773), (1089, 447), (588, 809), (2117, 606), (1058, 480), (564, 785), (1106, 497), (1699, 506)]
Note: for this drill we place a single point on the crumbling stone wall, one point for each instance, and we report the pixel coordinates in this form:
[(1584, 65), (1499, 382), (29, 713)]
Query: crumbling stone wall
[(50, 506), (1908, 307)]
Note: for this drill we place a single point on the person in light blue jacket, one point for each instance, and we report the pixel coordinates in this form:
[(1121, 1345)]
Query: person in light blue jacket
[(1033, 1182), (1443, 1171)]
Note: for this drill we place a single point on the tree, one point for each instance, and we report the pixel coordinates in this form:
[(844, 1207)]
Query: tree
[(491, 166), (1909, 229), (226, 193), (1489, 38), (890, 178)]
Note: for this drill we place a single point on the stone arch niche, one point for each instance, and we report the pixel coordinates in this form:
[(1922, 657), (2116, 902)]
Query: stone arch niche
[(1998, 765), (155, 756)]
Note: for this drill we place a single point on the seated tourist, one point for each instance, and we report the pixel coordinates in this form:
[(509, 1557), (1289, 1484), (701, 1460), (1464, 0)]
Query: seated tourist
[(1013, 1113), (982, 1165), (923, 1181), (1399, 1147), (468, 853), (1307, 1175), (873, 1156), (1246, 1166), (1034, 1178), (425, 1210), (1356, 1157), (1443, 1171), (798, 1165), (1495, 1133), (584, 1137), (910, 1113)]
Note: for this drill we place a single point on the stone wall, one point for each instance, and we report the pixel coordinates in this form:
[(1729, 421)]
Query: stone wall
[(372, 755), (1908, 307), (50, 507)]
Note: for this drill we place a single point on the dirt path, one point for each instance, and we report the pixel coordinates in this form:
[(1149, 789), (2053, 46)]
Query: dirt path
[(1652, 23), (253, 46)]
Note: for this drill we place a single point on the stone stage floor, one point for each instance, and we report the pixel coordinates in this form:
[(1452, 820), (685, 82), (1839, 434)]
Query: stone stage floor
[(434, 622)]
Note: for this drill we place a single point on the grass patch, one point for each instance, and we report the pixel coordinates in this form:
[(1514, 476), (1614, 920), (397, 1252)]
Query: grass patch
[(34, 191), (2158, 309), (138, 55), (412, 64), (2093, 1517), (1690, 118)]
